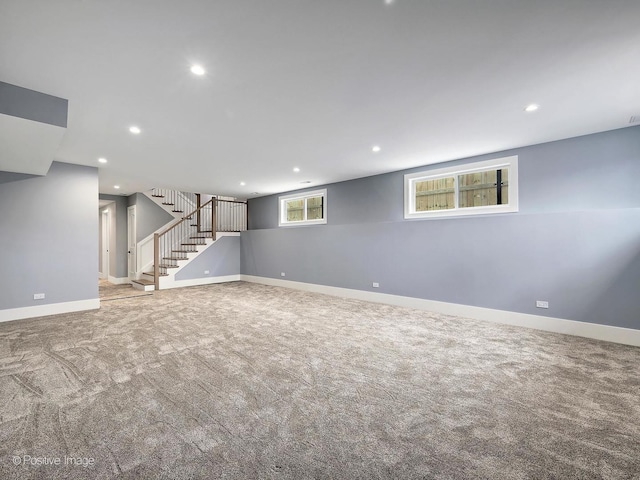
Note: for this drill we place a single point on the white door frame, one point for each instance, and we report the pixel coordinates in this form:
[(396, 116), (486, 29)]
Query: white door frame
[(105, 218), (131, 243)]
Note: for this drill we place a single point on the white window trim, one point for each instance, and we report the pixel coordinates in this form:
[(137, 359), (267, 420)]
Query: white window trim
[(282, 210), (411, 179)]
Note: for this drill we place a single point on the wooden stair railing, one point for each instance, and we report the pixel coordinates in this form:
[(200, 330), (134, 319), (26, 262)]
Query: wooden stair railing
[(231, 215)]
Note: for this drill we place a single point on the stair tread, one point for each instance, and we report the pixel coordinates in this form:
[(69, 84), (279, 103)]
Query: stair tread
[(162, 265), (152, 274), (143, 281)]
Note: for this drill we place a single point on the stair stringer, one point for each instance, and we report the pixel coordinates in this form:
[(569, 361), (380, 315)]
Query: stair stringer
[(169, 281), (167, 208)]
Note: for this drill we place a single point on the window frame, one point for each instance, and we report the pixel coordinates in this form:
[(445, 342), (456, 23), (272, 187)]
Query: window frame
[(282, 209), (410, 180)]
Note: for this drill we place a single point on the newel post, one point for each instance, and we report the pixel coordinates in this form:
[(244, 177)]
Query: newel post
[(214, 226), (198, 212), (156, 260)]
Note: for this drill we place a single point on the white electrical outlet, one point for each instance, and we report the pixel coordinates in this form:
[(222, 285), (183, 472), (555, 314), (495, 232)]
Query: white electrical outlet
[(376, 285), (206, 272), (38, 296), (542, 304), (282, 274)]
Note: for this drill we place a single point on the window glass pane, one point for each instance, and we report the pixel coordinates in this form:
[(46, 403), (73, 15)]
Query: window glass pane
[(295, 210), (315, 208), (480, 189), (436, 194), (306, 208), (505, 186)]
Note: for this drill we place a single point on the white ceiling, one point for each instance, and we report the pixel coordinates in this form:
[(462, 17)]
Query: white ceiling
[(315, 84)]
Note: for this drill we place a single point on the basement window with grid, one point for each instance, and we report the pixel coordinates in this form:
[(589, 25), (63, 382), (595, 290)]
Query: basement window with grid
[(309, 208), (472, 189)]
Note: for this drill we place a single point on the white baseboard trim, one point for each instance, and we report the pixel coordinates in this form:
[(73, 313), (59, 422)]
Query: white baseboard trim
[(626, 336), (119, 280), (164, 285), (48, 309)]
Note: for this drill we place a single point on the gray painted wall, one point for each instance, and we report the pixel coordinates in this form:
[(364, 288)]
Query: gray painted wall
[(149, 216), (221, 258), (31, 105), (118, 258), (49, 237), (575, 241), (6, 177)]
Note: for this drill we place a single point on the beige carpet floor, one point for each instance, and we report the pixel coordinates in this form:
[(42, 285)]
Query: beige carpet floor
[(109, 291), (249, 381)]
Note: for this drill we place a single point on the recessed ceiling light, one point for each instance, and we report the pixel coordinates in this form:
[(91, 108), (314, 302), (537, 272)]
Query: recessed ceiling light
[(102, 160), (255, 193), (242, 183), (135, 130), (296, 169), (388, 2), (197, 70), (375, 148), (117, 187), (531, 108), (306, 181)]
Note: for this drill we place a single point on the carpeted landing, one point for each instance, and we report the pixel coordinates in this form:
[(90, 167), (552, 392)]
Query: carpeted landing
[(243, 381)]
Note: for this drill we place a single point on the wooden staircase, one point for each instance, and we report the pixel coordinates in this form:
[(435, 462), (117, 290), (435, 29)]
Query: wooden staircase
[(176, 201), (184, 239), (188, 246), (178, 244)]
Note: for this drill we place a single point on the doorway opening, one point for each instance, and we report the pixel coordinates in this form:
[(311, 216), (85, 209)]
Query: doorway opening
[(105, 212)]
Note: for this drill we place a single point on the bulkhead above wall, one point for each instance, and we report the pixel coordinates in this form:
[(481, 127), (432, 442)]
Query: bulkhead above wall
[(26, 115)]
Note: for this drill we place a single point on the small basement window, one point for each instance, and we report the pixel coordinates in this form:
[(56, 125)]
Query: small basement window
[(472, 189), (308, 208)]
